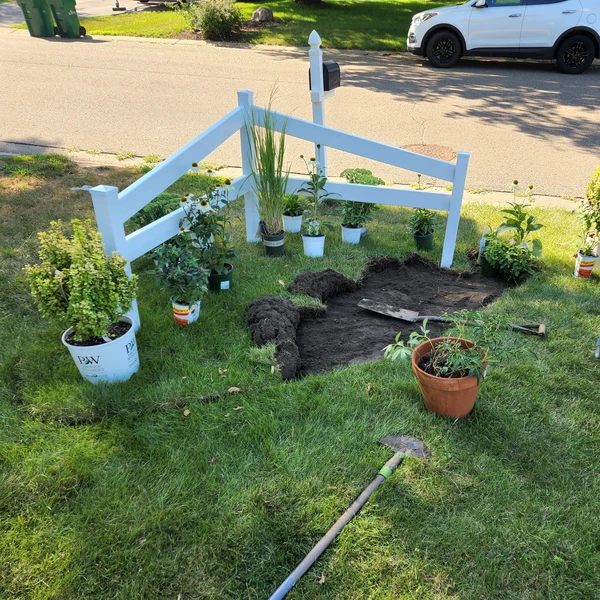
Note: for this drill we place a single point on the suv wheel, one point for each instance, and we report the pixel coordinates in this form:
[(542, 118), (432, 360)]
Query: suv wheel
[(575, 54), (443, 49)]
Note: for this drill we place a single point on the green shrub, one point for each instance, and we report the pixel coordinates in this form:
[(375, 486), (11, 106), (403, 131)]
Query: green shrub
[(218, 20), (162, 205), (77, 284)]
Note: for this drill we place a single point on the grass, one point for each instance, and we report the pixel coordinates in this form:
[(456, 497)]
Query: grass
[(112, 492), (366, 25)]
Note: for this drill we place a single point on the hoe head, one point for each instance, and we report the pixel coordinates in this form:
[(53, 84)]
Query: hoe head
[(406, 444)]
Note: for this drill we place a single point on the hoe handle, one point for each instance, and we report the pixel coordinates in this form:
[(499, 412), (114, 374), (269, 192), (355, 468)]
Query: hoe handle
[(387, 470)]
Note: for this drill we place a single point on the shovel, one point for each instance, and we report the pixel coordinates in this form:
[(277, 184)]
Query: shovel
[(414, 317), (402, 445)]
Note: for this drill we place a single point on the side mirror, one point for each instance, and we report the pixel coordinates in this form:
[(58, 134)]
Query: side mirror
[(480, 4)]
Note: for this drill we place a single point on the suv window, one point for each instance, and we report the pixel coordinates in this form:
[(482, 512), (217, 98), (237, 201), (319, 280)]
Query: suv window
[(492, 3)]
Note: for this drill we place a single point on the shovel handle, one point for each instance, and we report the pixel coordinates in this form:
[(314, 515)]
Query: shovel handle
[(387, 469)]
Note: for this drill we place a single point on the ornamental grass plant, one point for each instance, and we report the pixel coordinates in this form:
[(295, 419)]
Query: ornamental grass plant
[(269, 173)]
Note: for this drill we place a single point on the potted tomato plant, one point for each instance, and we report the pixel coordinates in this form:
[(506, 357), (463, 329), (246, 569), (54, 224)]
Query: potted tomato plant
[(79, 286)]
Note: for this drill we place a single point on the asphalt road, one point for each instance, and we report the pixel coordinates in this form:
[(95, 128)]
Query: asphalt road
[(520, 120)]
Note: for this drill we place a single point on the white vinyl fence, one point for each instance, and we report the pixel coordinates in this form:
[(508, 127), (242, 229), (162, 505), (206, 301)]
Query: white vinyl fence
[(114, 208)]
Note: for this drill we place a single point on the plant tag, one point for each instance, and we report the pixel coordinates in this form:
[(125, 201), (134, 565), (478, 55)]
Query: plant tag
[(224, 285)]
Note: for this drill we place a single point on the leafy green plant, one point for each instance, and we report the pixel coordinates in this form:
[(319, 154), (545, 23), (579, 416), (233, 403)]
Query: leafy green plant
[(450, 358), (76, 283), (589, 209), (269, 174), (521, 224), (515, 262), (314, 190), (162, 205), (361, 176), (218, 20), (295, 206), (180, 269), (587, 248), (357, 214), (422, 221)]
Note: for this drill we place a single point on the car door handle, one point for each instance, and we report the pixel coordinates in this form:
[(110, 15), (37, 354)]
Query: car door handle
[(569, 12), (515, 15)]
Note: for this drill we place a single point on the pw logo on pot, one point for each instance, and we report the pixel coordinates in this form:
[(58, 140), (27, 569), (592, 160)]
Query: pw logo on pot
[(89, 360)]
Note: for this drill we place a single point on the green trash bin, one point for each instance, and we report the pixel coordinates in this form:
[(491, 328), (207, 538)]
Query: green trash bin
[(67, 21), (37, 17)]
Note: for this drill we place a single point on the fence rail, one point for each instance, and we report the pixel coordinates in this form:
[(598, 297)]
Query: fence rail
[(113, 209)]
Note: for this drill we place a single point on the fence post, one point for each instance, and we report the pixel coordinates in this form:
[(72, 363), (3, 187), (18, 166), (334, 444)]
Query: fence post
[(458, 190), (105, 199), (317, 94), (246, 101)]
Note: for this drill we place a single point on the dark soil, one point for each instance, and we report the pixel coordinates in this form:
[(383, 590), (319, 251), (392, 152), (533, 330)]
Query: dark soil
[(344, 333), (114, 331)]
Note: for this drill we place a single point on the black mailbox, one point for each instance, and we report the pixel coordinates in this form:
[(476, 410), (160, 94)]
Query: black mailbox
[(331, 76)]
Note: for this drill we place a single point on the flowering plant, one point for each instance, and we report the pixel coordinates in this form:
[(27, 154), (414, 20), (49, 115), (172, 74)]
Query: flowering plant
[(205, 225), (314, 190)]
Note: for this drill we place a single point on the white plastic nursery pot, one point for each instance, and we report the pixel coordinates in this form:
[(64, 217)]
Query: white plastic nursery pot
[(116, 360), (351, 235), (292, 224), (314, 245), (584, 265), (184, 313)]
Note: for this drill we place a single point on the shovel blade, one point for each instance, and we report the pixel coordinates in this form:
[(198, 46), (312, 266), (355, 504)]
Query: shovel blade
[(406, 444), (389, 311)]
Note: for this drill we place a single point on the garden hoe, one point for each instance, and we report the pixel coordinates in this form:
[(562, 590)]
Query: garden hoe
[(402, 445), (413, 317)]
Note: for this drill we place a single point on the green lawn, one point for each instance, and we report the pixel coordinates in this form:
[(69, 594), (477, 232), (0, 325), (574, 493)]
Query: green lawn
[(368, 25), (111, 492)]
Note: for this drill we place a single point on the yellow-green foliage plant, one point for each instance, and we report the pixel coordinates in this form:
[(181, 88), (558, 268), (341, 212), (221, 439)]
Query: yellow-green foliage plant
[(76, 283)]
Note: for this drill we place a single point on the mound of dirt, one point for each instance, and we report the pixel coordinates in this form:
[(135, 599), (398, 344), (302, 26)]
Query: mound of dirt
[(314, 341), (322, 284), (274, 319)]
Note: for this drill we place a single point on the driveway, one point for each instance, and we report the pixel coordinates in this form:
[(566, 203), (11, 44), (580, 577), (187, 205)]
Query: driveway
[(520, 120)]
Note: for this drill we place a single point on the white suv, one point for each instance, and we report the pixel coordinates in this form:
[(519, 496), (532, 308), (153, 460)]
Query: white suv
[(565, 30)]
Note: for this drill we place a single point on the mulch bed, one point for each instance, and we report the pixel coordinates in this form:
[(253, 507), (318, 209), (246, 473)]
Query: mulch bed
[(309, 340)]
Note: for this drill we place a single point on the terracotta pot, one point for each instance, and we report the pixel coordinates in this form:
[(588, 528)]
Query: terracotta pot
[(451, 397)]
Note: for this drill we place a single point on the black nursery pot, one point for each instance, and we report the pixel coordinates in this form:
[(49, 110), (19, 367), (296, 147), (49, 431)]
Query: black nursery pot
[(218, 282), (424, 242), (273, 244), (486, 269)]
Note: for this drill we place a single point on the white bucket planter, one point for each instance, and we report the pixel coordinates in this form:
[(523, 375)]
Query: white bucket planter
[(116, 360), (292, 224), (584, 265), (314, 245), (351, 235), (184, 313)]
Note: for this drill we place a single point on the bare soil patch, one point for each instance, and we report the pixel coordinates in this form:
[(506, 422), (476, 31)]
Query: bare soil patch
[(343, 333)]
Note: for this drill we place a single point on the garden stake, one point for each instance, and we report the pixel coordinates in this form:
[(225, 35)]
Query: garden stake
[(413, 317), (402, 445)]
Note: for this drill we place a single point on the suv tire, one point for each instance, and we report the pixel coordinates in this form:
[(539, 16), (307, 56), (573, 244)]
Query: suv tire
[(443, 49), (575, 54)]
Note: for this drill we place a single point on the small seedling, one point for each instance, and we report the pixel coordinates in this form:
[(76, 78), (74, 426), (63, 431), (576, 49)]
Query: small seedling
[(124, 155)]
